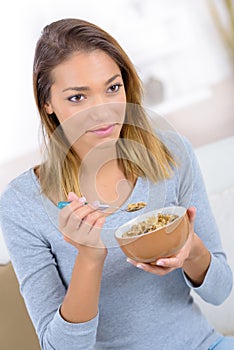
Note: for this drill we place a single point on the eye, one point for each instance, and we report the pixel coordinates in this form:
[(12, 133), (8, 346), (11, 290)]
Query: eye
[(76, 98), (114, 88)]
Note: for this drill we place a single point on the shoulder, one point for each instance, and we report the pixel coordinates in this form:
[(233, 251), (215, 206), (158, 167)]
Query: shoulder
[(22, 186), (20, 207), (25, 179), (179, 146)]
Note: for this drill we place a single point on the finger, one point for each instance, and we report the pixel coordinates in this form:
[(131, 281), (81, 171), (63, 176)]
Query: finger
[(72, 196), (68, 210), (71, 216), (88, 234), (94, 218), (95, 232), (173, 262), (80, 223), (160, 271), (93, 239), (85, 210), (191, 214), (76, 217), (90, 228), (157, 270)]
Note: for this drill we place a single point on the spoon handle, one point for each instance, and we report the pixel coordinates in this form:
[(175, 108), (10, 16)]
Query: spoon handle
[(101, 206), (63, 204)]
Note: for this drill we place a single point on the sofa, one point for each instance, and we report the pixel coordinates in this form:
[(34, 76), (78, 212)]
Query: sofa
[(16, 329)]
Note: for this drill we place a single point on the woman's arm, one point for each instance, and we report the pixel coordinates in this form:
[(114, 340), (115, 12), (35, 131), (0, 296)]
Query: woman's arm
[(192, 192), (194, 258), (81, 225), (25, 230), (196, 265), (202, 259), (81, 300)]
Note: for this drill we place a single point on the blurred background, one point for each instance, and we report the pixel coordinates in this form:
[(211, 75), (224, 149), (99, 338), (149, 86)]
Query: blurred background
[(182, 50), (176, 46), (184, 53)]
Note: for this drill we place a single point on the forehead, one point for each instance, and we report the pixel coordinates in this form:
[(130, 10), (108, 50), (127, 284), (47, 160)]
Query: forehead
[(85, 68)]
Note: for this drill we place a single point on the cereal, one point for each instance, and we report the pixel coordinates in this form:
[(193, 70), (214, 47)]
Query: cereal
[(150, 224), (136, 206)]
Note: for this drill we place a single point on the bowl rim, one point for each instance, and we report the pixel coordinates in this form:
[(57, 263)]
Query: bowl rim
[(123, 228)]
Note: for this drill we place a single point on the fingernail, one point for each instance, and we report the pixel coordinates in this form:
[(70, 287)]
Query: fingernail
[(139, 266), (160, 263), (95, 204), (130, 261), (82, 199)]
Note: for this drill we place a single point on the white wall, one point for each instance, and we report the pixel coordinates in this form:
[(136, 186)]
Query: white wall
[(174, 40)]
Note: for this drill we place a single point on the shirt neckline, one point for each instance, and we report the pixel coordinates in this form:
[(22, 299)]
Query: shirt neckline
[(129, 200)]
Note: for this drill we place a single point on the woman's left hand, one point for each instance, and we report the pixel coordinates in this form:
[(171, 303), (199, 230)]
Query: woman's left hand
[(165, 265)]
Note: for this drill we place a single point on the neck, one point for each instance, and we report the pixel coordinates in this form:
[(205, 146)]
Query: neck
[(100, 173), (97, 159)]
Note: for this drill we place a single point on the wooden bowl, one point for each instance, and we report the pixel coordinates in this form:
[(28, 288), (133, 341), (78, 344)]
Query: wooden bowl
[(162, 242)]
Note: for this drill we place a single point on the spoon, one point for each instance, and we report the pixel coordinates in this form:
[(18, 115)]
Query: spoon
[(130, 208)]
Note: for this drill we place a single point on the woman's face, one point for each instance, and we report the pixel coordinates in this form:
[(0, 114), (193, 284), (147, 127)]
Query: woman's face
[(88, 98)]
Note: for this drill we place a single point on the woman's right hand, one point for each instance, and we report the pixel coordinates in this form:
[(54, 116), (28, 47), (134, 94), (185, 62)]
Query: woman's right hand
[(81, 226)]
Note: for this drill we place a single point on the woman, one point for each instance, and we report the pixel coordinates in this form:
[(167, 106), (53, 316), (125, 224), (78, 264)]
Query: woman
[(100, 147)]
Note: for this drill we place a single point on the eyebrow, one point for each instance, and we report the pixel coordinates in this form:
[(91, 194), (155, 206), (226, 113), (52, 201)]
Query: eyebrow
[(86, 88)]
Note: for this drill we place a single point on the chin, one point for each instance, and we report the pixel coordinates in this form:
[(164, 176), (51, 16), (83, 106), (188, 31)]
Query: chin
[(107, 143)]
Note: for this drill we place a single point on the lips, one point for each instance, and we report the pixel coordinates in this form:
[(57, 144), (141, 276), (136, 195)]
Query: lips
[(106, 130)]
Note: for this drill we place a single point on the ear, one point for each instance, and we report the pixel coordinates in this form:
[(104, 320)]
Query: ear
[(48, 108)]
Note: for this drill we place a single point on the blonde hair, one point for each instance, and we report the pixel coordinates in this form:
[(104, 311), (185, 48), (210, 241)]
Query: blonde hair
[(59, 172)]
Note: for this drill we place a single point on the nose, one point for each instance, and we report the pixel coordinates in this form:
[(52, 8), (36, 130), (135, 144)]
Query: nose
[(100, 109)]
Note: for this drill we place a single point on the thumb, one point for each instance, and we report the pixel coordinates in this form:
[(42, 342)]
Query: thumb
[(191, 211)]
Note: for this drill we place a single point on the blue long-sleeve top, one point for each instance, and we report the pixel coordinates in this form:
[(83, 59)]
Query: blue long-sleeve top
[(137, 310)]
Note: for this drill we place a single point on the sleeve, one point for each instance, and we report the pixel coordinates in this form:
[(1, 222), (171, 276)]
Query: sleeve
[(217, 284), (40, 283)]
